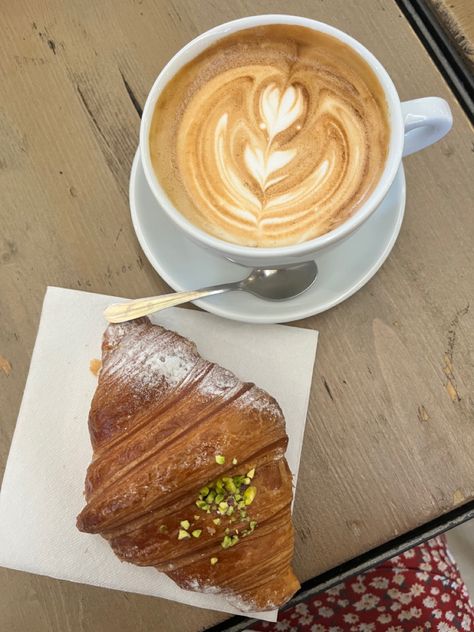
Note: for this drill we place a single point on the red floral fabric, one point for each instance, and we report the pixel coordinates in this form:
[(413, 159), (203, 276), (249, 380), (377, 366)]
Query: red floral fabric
[(417, 591)]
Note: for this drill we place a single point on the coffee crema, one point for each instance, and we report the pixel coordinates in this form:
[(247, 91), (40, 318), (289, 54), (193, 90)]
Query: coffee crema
[(271, 137)]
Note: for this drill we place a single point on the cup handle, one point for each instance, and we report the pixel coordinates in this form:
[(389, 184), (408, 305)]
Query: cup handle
[(426, 121)]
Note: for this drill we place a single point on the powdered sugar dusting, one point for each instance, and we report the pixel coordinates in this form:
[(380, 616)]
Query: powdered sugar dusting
[(148, 356), (199, 586), (218, 381), (117, 331), (245, 605), (173, 368), (261, 402)]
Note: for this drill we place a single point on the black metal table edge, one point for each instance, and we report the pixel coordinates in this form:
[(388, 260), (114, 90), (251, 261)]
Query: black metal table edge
[(448, 60), (363, 562)]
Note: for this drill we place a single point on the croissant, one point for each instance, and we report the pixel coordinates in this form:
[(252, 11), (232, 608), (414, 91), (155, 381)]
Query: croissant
[(188, 472)]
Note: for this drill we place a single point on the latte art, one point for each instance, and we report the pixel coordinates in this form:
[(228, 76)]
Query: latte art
[(273, 136)]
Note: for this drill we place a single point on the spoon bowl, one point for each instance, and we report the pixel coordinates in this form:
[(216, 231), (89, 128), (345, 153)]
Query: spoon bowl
[(280, 284)]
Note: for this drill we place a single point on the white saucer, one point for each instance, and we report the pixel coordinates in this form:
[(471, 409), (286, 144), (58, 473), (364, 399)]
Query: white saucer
[(343, 270)]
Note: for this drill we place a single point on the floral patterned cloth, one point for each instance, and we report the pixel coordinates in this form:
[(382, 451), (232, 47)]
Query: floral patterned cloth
[(417, 591)]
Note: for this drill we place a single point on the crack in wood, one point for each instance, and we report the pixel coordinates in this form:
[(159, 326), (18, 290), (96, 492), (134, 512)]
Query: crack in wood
[(132, 96), (10, 251), (423, 415), (326, 386), (448, 369), (452, 331), (118, 235), (109, 149), (45, 37), (91, 114)]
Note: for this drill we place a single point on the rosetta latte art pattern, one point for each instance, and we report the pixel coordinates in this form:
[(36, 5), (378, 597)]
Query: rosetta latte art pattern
[(276, 150)]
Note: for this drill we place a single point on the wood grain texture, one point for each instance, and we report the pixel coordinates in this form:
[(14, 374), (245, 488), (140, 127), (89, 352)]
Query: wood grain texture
[(457, 19), (390, 435)]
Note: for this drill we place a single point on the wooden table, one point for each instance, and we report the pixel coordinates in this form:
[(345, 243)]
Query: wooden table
[(390, 436)]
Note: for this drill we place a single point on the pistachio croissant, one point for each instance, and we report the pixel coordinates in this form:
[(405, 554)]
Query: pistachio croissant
[(188, 473)]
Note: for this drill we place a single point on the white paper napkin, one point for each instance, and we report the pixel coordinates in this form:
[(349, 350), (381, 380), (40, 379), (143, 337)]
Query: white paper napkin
[(42, 490)]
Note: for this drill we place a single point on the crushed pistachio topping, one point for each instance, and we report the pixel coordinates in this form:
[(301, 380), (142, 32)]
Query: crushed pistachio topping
[(234, 461), (214, 561), (220, 459), (197, 517), (183, 534), (163, 528), (228, 498), (229, 540), (249, 495), (184, 524), (251, 528), (211, 496)]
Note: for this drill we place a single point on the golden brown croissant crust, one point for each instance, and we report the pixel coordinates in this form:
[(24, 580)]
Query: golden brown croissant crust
[(188, 472)]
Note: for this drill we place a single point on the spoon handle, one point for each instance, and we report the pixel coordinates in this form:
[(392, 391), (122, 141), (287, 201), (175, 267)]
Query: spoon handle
[(121, 312)]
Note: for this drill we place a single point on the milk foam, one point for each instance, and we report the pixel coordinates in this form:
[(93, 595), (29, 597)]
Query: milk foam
[(276, 135)]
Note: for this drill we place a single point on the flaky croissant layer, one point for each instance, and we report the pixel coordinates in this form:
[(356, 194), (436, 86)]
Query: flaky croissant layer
[(188, 472)]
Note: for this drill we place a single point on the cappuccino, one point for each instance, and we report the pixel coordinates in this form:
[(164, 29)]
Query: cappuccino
[(271, 137)]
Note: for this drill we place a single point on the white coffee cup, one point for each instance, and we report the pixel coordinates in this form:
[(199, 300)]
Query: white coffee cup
[(414, 125)]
